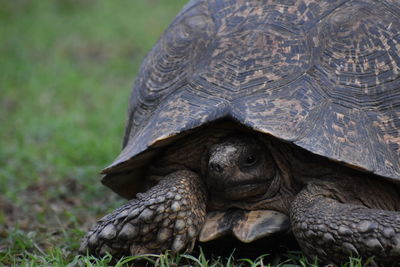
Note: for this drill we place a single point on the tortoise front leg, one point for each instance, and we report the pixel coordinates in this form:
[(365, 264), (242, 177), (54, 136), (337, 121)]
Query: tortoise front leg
[(168, 216), (333, 231)]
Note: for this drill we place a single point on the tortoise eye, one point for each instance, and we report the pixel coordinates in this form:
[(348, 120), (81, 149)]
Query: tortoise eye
[(250, 160)]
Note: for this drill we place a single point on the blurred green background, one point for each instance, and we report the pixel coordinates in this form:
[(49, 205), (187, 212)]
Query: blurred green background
[(66, 72)]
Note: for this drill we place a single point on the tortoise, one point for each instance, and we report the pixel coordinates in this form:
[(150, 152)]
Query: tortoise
[(250, 114)]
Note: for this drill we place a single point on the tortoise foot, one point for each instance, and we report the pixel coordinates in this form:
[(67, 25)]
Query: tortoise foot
[(169, 216), (334, 231)]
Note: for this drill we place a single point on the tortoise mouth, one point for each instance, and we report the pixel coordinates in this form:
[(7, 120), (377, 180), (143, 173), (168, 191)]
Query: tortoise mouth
[(242, 191)]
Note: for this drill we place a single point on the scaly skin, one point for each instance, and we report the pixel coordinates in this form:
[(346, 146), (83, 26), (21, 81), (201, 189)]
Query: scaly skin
[(168, 216), (333, 231)]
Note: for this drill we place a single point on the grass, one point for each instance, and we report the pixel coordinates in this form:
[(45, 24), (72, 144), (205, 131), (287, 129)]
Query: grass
[(66, 70)]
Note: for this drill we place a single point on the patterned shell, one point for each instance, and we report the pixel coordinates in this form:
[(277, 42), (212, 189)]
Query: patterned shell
[(322, 74)]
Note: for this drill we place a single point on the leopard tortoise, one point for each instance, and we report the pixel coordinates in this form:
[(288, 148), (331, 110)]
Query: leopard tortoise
[(250, 117)]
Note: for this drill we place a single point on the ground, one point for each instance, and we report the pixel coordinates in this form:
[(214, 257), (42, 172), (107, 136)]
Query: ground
[(66, 70)]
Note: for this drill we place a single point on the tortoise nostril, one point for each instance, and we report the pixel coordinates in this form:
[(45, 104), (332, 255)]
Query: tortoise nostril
[(216, 167)]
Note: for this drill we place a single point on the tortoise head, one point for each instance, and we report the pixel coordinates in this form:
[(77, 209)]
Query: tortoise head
[(240, 170), (239, 167)]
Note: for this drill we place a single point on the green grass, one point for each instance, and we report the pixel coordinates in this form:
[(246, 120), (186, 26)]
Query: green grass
[(66, 70)]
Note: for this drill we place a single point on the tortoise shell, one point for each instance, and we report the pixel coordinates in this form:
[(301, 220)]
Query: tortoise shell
[(323, 75)]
